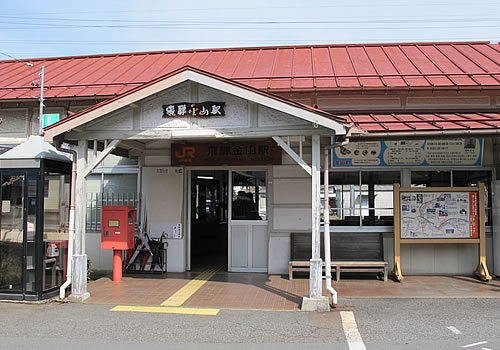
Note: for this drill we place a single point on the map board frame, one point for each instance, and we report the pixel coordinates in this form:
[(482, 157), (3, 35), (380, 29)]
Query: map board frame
[(478, 193)]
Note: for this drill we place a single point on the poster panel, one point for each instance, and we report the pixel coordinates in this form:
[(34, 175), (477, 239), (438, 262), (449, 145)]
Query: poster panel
[(439, 215), (450, 152)]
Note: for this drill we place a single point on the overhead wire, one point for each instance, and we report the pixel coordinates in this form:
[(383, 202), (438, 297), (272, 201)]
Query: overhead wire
[(241, 41), (259, 22), (45, 22), (336, 5), (30, 64)]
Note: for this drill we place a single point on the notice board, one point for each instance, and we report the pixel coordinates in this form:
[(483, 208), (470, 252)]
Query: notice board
[(440, 214)]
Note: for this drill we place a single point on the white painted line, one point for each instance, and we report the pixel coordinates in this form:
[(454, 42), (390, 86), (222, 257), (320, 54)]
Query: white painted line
[(485, 349), (351, 332), (475, 344), (454, 330)]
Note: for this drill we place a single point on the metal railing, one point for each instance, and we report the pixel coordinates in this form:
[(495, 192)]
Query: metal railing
[(96, 200)]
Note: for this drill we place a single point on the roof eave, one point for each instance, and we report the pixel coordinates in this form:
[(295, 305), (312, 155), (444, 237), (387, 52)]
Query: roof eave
[(405, 135)]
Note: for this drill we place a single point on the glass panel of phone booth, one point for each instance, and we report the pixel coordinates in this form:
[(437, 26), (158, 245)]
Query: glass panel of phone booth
[(31, 210), (11, 233), (56, 227)]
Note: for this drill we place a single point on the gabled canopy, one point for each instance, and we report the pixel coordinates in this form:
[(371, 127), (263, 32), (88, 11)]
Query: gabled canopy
[(315, 116)]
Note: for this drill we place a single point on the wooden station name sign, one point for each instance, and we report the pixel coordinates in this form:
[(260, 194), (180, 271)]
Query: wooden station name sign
[(233, 153), (188, 109)]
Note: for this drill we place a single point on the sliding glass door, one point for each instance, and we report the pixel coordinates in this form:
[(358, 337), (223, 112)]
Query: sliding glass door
[(249, 225)]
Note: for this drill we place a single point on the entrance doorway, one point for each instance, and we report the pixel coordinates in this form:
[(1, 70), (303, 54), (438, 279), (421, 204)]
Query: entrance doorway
[(209, 218)]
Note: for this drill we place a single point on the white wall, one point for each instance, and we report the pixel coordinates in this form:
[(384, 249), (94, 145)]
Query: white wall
[(279, 254), (290, 209), (162, 190), (100, 259)]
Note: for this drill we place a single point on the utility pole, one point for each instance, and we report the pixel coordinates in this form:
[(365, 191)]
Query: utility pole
[(40, 117)]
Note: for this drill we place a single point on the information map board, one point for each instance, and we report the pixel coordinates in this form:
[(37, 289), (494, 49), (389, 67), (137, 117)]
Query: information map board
[(439, 215)]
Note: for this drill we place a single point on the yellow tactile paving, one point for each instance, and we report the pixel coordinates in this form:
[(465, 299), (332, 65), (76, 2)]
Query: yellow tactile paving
[(183, 294), (167, 310)]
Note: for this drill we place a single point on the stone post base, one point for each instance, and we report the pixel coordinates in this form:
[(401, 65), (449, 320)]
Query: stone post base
[(80, 298), (320, 304), (79, 291), (315, 278)]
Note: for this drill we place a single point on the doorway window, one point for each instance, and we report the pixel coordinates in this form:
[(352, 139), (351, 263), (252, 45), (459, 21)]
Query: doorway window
[(249, 196), (209, 227)]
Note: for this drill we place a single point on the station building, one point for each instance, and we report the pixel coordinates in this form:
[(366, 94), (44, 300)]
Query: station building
[(221, 151)]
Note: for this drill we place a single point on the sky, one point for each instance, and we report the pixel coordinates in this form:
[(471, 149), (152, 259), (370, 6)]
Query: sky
[(34, 28)]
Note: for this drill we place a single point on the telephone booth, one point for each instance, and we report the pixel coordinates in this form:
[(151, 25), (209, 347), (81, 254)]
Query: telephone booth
[(34, 217)]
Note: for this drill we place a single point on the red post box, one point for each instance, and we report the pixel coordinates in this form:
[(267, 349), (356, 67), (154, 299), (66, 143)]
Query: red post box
[(117, 233), (117, 227)]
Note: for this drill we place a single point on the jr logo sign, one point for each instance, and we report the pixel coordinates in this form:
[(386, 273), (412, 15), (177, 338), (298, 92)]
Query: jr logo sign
[(186, 154)]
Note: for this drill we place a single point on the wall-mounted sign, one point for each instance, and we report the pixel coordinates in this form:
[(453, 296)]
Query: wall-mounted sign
[(49, 119), (188, 109), (233, 153), (459, 152), (439, 214)]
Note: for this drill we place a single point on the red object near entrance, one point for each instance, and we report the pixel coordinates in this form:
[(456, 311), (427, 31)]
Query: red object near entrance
[(117, 265), (118, 233)]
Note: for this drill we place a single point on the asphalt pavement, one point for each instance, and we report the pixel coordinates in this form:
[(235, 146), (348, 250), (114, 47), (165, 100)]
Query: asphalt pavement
[(380, 324)]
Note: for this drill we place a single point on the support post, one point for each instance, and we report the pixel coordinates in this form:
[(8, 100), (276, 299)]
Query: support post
[(79, 285), (117, 265), (397, 273), (315, 280), (292, 154), (40, 117), (97, 160), (316, 301), (482, 270)]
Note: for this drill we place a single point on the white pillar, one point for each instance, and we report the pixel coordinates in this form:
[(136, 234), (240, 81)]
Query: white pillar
[(315, 285), (79, 281), (315, 301)]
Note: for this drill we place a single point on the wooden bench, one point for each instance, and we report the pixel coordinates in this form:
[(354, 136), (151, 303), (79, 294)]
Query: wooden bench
[(350, 252), (344, 266)]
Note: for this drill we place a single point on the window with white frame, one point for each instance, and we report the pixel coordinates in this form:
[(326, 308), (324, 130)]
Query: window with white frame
[(109, 189), (455, 178), (362, 198)]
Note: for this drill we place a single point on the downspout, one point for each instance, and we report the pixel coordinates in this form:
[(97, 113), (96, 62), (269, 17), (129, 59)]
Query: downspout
[(326, 220), (71, 237)]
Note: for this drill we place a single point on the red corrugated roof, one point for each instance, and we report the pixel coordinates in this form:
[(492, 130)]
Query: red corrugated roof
[(421, 122), (406, 65)]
